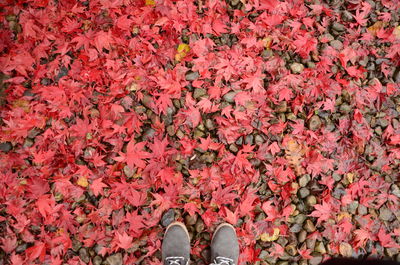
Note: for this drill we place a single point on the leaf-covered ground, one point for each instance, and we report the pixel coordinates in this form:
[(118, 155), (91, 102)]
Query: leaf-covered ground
[(118, 117)]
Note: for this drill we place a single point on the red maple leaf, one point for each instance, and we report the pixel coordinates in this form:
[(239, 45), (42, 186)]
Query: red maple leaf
[(135, 155)]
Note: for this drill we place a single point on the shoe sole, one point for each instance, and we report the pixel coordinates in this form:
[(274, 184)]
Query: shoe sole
[(219, 227), (179, 224)]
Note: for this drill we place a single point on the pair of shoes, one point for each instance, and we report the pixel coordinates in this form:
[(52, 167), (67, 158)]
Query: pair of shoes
[(176, 245)]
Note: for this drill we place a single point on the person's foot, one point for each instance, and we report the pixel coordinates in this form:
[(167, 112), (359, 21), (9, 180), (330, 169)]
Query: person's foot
[(176, 245), (224, 246)]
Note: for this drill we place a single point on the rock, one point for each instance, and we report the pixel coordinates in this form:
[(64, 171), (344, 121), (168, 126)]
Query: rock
[(21, 248), (239, 141), (345, 108), (297, 68), (291, 249), (171, 130), (148, 134), (199, 92), (300, 218), (316, 260), (311, 200), (302, 236), (353, 207), (129, 173), (258, 140), (84, 255), (230, 96), (233, 148), (190, 220), (338, 27), (303, 181), (282, 107), (345, 249), (382, 122), (314, 123), (304, 192), (115, 259), (362, 210), (191, 76), (209, 124), (5, 147), (385, 214), (168, 217), (263, 255), (76, 245), (395, 190), (249, 139), (336, 44), (295, 228), (199, 227), (28, 143), (326, 37), (347, 16), (309, 226), (97, 260), (320, 247), (396, 75)]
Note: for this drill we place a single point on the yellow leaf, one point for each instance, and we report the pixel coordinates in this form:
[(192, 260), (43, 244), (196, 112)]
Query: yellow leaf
[(83, 182), (265, 237), (350, 177), (295, 154), (182, 50), (267, 42), (150, 3), (396, 32), (376, 27)]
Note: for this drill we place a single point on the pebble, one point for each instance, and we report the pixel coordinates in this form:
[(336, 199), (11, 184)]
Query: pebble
[(5, 147), (311, 200), (258, 140), (199, 92), (304, 192), (84, 255), (249, 139), (314, 123), (129, 173), (353, 207), (199, 227), (282, 107), (309, 226), (385, 214), (171, 130), (191, 76), (297, 68), (320, 247), (347, 16), (345, 249), (302, 236), (395, 190), (336, 44), (76, 245), (291, 249), (300, 218), (21, 248), (209, 124), (303, 181), (338, 27), (295, 228), (345, 108), (115, 259), (316, 260), (233, 148), (230, 96), (97, 260), (168, 217)]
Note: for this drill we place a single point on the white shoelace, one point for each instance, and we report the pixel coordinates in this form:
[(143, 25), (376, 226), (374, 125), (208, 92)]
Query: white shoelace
[(222, 261), (175, 260)]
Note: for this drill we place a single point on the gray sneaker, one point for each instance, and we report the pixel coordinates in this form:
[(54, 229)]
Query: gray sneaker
[(176, 245), (224, 246)]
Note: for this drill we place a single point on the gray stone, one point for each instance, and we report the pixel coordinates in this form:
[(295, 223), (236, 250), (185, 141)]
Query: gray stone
[(230, 96), (115, 259), (84, 255), (385, 214), (336, 44), (304, 192), (314, 123), (338, 27), (168, 217), (345, 108), (97, 260), (311, 200), (191, 76), (297, 68), (199, 92), (295, 228), (76, 245), (353, 207), (5, 147), (316, 260), (347, 16), (303, 181)]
